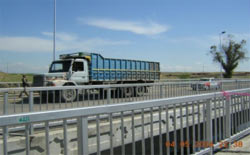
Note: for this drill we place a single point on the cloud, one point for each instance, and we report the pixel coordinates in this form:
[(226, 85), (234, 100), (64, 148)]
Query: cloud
[(143, 28), (61, 36), (24, 44), (195, 41), (240, 36), (236, 36), (207, 40), (64, 42), (20, 67)]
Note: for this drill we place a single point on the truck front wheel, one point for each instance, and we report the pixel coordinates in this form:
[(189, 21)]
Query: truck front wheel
[(69, 95)]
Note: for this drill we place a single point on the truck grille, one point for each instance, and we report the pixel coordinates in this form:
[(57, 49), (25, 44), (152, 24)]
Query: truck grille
[(38, 80)]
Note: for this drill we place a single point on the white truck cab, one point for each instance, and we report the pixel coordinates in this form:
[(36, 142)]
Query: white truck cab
[(75, 71), (69, 70)]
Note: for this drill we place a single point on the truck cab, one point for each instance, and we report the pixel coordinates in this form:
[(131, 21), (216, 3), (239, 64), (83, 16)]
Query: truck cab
[(76, 70), (71, 69)]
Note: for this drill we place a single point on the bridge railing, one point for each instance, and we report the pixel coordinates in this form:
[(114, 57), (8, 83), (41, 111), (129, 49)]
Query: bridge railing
[(17, 100), (180, 125)]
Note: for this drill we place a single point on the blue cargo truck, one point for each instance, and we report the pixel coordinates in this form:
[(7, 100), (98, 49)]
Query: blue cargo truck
[(92, 69)]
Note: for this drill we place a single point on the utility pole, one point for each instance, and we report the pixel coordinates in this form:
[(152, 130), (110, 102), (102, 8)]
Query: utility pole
[(223, 32), (54, 36)]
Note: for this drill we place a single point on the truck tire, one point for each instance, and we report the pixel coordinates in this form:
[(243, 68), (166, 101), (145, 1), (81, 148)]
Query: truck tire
[(128, 92), (69, 95), (140, 91)]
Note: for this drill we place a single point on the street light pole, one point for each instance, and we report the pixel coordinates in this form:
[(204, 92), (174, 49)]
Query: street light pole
[(54, 36), (223, 32)]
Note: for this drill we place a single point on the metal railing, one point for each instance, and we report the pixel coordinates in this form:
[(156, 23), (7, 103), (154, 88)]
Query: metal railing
[(181, 125), (52, 98)]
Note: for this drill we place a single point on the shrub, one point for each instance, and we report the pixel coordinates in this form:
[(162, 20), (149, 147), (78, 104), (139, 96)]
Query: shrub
[(184, 76)]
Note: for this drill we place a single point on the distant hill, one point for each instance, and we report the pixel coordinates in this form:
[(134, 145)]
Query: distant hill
[(190, 75)]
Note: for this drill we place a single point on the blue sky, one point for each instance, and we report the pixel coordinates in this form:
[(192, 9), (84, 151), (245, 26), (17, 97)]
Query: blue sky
[(177, 33)]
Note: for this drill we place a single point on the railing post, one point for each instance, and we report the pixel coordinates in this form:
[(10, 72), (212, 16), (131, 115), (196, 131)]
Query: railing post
[(5, 140), (161, 92), (5, 129), (228, 117), (221, 85), (5, 108), (236, 81), (82, 135), (209, 127), (197, 88), (31, 103), (109, 95)]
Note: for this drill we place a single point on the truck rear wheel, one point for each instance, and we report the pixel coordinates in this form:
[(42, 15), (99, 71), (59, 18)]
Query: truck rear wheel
[(140, 91), (129, 92)]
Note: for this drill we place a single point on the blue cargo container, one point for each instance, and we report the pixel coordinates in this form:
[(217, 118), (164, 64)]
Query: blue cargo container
[(107, 69)]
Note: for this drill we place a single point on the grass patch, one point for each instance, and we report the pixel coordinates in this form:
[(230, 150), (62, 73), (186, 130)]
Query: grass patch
[(13, 77), (184, 76)]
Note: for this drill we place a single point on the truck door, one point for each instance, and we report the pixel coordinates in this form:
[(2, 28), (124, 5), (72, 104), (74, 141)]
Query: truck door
[(80, 71)]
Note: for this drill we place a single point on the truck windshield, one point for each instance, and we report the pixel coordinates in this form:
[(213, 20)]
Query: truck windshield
[(60, 66)]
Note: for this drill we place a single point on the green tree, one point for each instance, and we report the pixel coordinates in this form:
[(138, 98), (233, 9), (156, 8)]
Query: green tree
[(229, 55)]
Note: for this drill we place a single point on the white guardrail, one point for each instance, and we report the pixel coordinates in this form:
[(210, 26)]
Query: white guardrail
[(15, 100), (179, 125)]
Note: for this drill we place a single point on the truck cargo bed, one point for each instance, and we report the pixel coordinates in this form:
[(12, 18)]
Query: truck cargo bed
[(107, 69)]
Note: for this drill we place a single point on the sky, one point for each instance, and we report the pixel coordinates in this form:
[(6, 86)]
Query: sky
[(178, 33)]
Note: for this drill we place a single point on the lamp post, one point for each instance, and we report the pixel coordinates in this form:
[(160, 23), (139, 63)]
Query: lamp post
[(54, 34), (223, 32)]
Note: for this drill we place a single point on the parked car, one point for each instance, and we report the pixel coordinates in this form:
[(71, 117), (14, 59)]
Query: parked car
[(206, 84)]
